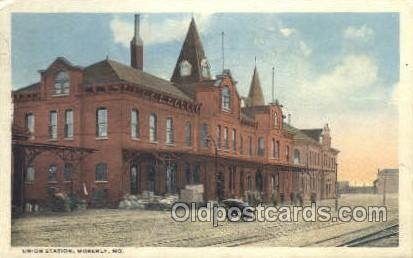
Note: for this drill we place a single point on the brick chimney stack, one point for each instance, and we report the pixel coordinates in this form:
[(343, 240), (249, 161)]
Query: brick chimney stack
[(136, 46)]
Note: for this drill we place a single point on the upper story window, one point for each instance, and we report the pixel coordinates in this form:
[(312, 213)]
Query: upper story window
[(53, 125), (68, 123), (205, 68), (134, 124), (102, 122), (52, 173), (30, 122), (188, 133), (226, 99), (275, 148), (296, 157), (169, 130), (101, 172), (249, 145), (153, 127), (219, 142), (204, 135), (241, 145), (29, 175), (185, 68), (61, 83), (261, 146), (226, 142), (275, 120), (287, 153), (234, 139)]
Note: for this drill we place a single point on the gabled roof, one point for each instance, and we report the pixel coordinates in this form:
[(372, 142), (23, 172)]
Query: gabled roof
[(313, 133), (108, 71), (298, 134), (31, 88), (193, 52), (255, 95)]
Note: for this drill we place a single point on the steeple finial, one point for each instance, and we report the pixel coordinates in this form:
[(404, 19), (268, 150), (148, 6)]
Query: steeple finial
[(255, 95)]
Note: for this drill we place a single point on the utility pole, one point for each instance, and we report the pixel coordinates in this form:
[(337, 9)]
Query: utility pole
[(336, 190), (384, 188), (273, 86)]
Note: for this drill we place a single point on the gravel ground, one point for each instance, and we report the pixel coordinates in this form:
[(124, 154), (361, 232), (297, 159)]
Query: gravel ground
[(111, 227)]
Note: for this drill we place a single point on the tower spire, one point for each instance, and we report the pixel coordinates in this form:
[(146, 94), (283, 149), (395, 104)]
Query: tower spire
[(255, 95), (136, 46)]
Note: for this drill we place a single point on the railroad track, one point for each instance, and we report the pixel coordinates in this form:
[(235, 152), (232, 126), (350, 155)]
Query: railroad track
[(388, 232)]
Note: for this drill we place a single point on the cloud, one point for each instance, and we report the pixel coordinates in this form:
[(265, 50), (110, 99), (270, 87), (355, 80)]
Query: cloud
[(362, 33), (156, 32), (286, 32)]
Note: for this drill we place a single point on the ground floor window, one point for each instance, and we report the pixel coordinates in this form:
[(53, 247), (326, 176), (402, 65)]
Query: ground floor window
[(151, 177), (67, 172), (30, 174), (171, 178), (101, 172), (52, 173)]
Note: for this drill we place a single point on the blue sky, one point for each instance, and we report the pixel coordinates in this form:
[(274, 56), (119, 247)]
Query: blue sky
[(341, 68)]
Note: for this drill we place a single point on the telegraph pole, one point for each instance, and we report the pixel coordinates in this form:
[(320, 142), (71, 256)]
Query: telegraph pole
[(384, 188), (223, 52)]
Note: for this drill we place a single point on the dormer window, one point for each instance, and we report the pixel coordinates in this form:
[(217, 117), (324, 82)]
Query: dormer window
[(185, 68), (226, 99), (61, 84), (205, 68)]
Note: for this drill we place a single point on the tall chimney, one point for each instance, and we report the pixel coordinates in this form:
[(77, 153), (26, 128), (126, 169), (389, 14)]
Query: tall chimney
[(136, 46)]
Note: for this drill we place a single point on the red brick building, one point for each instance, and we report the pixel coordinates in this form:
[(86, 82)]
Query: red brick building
[(155, 135)]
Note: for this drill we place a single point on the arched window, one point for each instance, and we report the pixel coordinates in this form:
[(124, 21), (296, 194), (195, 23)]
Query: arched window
[(52, 173), (275, 120), (185, 68), (61, 83), (296, 157), (261, 146), (67, 172), (169, 131), (153, 128), (205, 68), (226, 99), (101, 172)]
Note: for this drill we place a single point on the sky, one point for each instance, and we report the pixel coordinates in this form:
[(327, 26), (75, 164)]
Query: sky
[(335, 68)]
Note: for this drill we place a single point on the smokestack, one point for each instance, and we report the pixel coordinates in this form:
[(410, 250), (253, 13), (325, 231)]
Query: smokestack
[(136, 46)]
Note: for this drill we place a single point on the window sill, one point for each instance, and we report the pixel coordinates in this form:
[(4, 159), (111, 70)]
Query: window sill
[(52, 140), (101, 182), (67, 182), (60, 95), (153, 142), (135, 139), (69, 139), (170, 144), (52, 182), (226, 110), (102, 138)]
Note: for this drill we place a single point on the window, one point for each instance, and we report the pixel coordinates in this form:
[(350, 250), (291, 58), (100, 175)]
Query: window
[(67, 172), (205, 68), (296, 157), (241, 144), (274, 183), (169, 130), (29, 174), (134, 124), (53, 125), (287, 153), (274, 148), (197, 174), (234, 139), (188, 133), (261, 146), (275, 120), (30, 122), (61, 84), (226, 143), (153, 128), (101, 122), (250, 145), (185, 68), (52, 173), (69, 123), (219, 137), (226, 99), (204, 135), (101, 172)]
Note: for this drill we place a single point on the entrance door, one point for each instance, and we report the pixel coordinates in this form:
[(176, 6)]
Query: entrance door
[(171, 178), (134, 180), (151, 177)]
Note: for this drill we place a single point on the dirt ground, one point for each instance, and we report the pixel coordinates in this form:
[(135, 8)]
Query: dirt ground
[(112, 227)]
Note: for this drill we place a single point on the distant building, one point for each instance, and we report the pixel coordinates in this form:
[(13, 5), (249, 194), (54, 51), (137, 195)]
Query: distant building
[(343, 187), (387, 179)]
